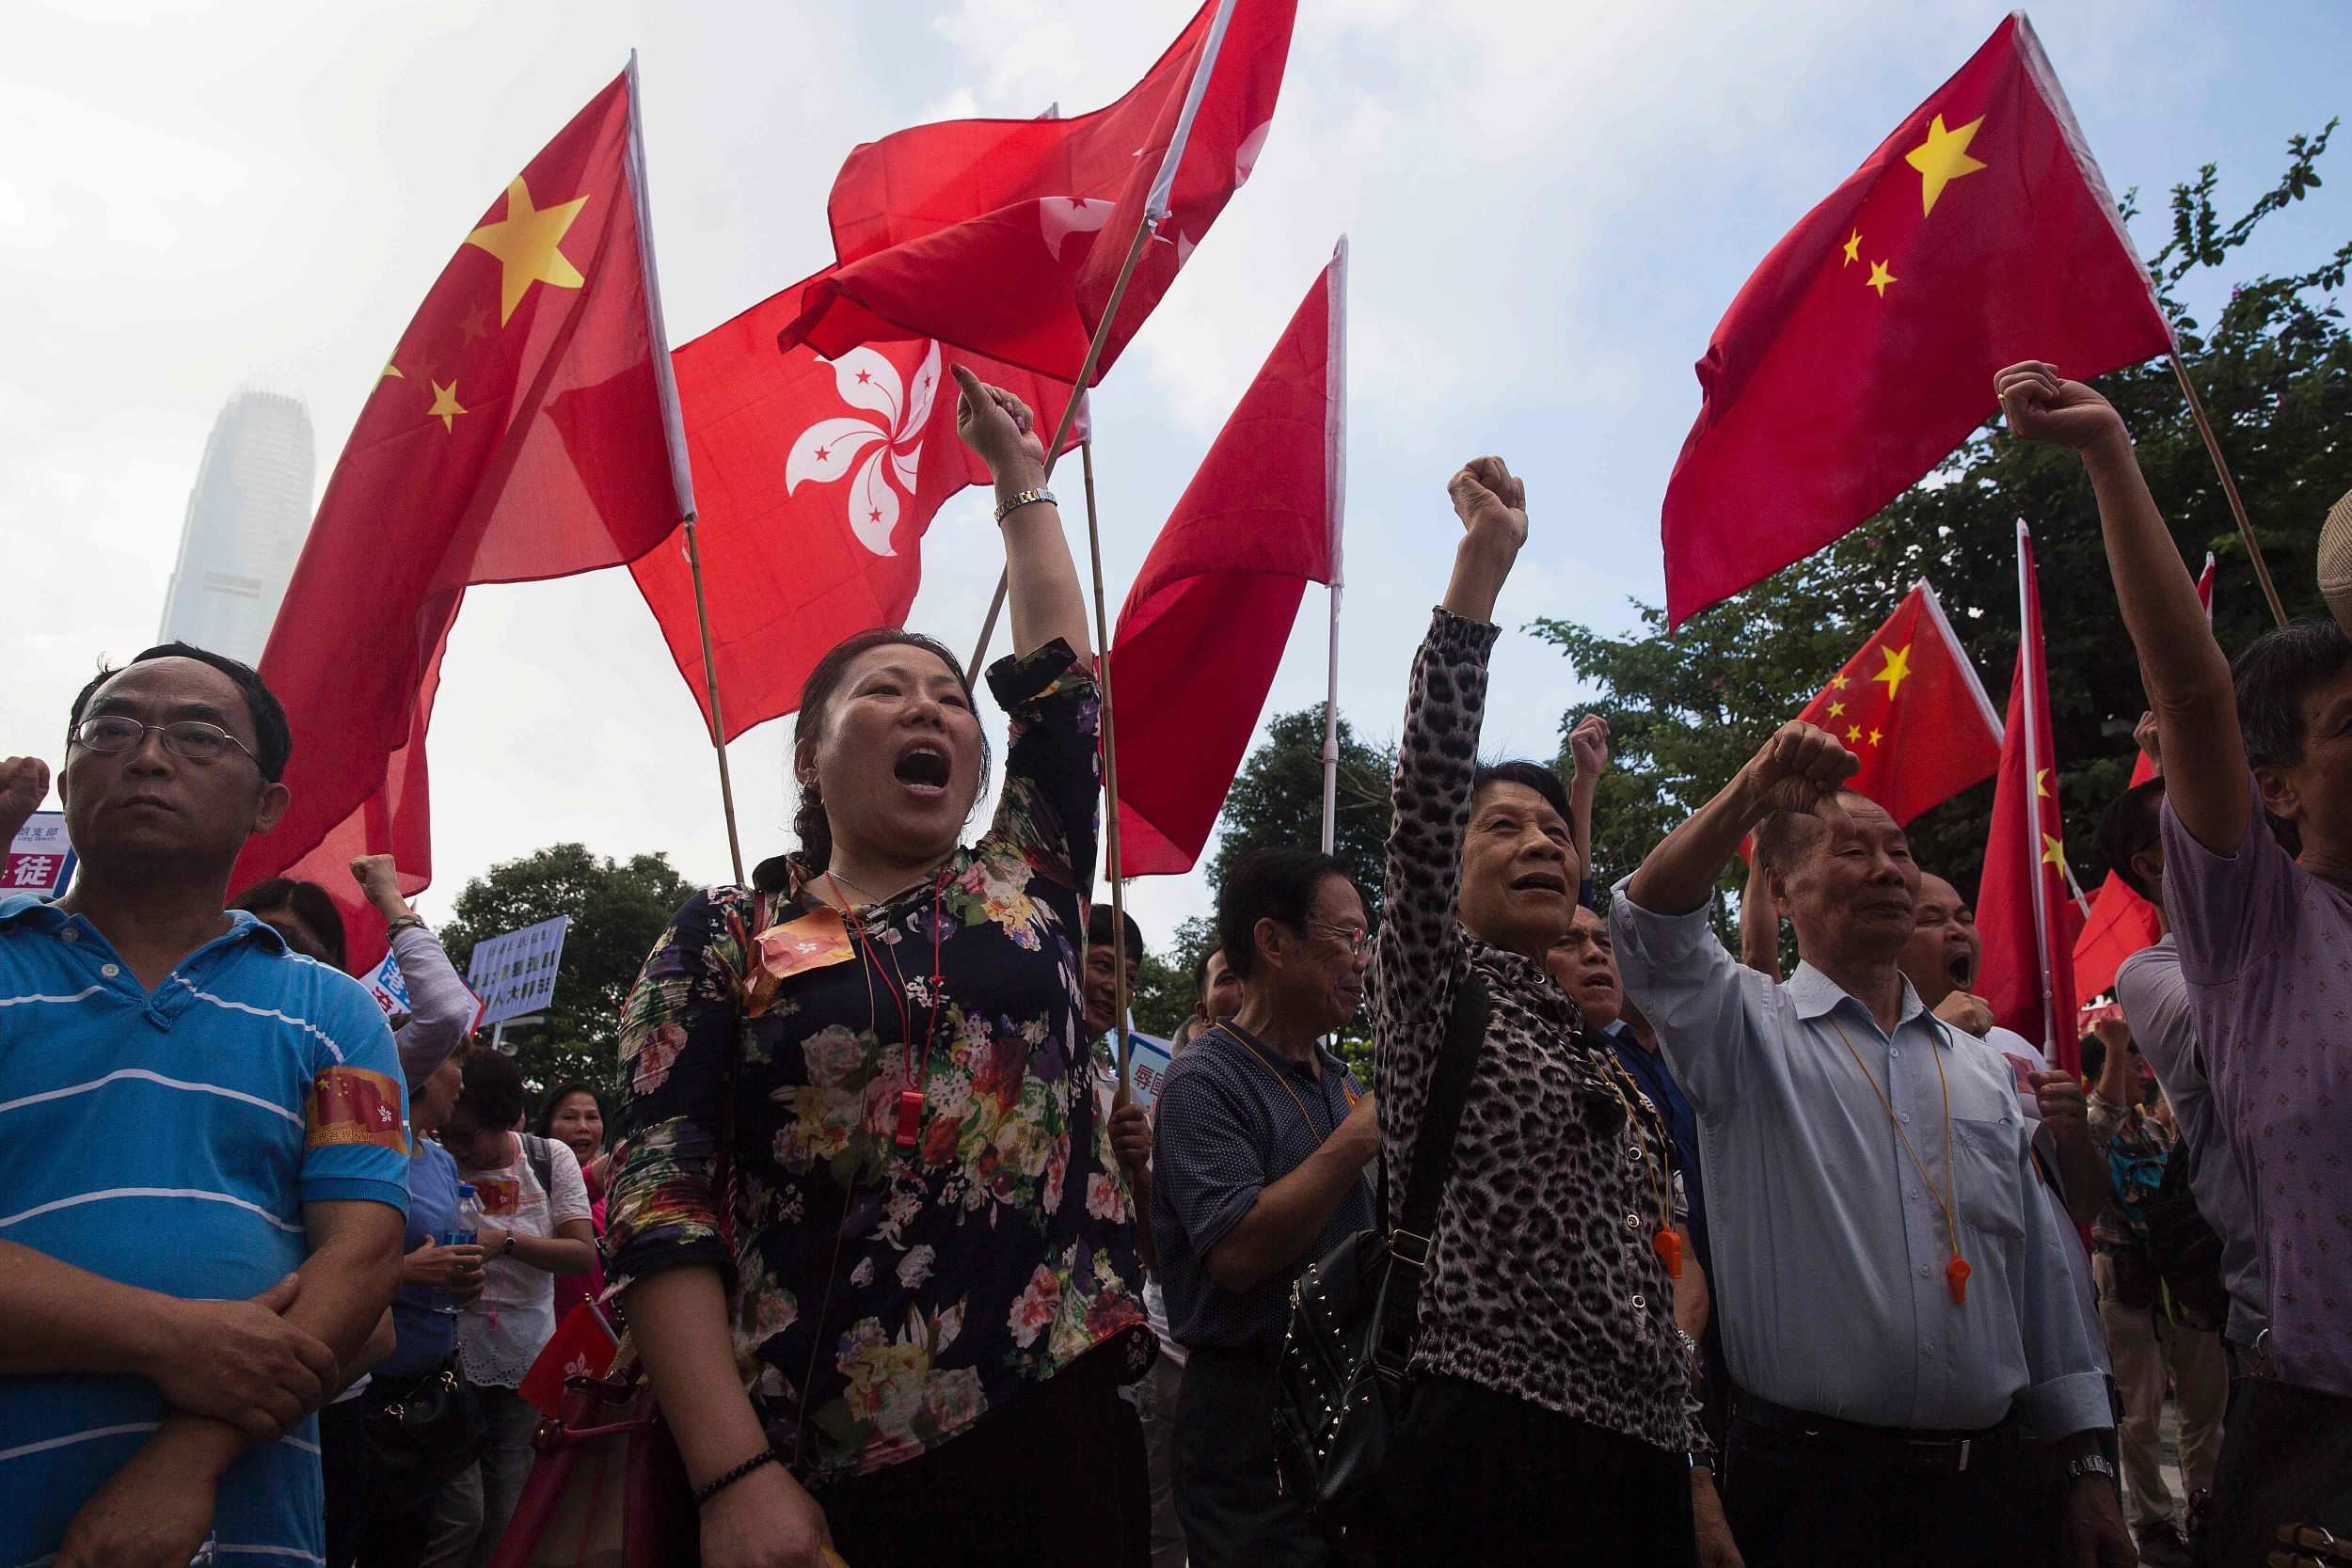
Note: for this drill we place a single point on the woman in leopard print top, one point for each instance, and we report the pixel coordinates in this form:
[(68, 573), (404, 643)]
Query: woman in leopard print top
[(1548, 1370)]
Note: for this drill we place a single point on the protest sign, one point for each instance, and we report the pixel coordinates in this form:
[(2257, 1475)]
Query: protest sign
[(515, 974), (388, 988), (1148, 1056), (41, 857)]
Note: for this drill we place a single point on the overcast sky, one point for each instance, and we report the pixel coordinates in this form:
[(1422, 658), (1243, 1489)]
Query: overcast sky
[(1550, 205)]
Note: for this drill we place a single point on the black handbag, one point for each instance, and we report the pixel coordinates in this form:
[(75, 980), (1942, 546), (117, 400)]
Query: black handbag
[(1339, 1384), (2283, 1490), (421, 1433)]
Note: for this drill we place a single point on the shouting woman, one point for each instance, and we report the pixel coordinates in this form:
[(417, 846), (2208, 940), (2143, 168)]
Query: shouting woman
[(928, 1262)]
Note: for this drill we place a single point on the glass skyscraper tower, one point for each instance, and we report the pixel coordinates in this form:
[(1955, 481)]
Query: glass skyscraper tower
[(247, 519)]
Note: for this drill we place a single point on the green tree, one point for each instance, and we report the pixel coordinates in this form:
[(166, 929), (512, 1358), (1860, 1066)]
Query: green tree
[(617, 909), (2275, 369)]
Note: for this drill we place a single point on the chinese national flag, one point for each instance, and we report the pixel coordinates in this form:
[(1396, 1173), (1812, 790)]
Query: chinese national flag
[(2122, 922), (1909, 705), (1005, 236), (1206, 621), (518, 431), (1861, 351), (2024, 908), (816, 481)]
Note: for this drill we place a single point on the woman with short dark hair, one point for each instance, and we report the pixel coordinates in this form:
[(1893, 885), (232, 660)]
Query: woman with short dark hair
[(929, 1269), (1548, 1363)]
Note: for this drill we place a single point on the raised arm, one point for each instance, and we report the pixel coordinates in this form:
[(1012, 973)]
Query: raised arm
[(2186, 675), (1800, 768), (1042, 581), (1588, 744)]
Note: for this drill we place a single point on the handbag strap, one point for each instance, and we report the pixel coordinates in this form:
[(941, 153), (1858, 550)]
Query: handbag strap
[(1440, 1121)]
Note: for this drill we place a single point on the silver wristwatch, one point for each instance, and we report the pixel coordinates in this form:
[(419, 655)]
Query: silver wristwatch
[(2090, 1464)]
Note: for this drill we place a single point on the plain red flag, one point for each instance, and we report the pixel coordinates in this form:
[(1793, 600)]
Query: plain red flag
[(1004, 236), (523, 428), (2122, 922), (1861, 351), (817, 481), (1207, 617), (2026, 910), (1910, 705)]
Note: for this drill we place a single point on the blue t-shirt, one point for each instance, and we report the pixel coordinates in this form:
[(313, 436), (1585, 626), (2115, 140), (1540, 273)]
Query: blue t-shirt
[(168, 1140), (425, 1337)]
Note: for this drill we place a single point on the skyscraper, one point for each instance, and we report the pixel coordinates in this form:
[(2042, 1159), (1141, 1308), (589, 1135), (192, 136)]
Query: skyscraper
[(247, 519)]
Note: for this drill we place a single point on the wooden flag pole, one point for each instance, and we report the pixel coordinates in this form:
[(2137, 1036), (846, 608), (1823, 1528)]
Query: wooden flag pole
[(1062, 433), (2228, 489), (1110, 776), (711, 685)]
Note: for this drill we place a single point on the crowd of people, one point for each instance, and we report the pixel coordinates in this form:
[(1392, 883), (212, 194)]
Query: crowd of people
[(1726, 1267)]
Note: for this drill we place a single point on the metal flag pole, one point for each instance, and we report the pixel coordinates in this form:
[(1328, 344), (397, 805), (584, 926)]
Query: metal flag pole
[(674, 437), (1335, 492), (2026, 628), (1331, 735), (1111, 867), (2229, 490), (1061, 433)]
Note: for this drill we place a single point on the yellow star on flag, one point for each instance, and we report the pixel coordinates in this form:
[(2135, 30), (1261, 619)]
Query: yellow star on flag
[(1853, 734), (1852, 249), (1836, 711), (1898, 669), (391, 370), (2042, 784), (1838, 682), (525, 242), (1880, 277), (2053, 852), (1875, 737), (445, 405), (1942, 158)]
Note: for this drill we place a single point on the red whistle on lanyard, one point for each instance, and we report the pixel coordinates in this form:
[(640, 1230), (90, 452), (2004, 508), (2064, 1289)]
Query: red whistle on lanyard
[(910, 1115), (1669, 1247), (1956, 1275)]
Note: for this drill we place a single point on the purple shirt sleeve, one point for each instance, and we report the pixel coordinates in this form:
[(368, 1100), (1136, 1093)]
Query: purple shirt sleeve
[(2227, 910)]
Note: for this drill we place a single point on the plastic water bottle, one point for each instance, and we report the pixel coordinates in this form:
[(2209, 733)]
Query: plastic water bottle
[(466, 1226)]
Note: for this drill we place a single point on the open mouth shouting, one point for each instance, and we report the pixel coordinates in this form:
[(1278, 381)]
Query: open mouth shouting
[(1540, 882), (1959, 967), (923, 768)]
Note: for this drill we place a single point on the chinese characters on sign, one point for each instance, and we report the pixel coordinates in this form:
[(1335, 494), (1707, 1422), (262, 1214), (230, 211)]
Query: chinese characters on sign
[(1147, 1063), (40, 859), (515, 974), (389, 988)]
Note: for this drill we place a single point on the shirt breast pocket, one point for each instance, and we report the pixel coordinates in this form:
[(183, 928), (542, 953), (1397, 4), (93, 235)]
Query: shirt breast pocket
[(1985, 1169)]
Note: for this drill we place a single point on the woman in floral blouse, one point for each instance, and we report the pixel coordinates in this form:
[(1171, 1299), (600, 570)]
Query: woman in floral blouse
[(927, 1276), (1548, 1364)]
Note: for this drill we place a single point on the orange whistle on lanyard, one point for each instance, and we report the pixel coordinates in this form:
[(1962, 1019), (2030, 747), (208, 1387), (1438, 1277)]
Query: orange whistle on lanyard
[(1669, 1246), (1956, 1275)]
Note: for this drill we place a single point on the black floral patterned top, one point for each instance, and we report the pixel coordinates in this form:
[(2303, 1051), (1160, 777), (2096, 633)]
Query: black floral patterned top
[(887, 1297)]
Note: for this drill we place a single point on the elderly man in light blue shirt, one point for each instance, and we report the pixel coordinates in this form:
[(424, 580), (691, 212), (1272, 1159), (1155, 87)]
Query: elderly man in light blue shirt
[(1899, 1309)]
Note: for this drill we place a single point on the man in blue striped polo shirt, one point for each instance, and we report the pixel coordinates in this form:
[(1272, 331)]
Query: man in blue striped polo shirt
[(203, 1151)]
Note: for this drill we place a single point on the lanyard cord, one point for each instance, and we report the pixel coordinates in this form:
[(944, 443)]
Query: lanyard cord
[(1664, 1241), (917, 1088), (1956, 1272)]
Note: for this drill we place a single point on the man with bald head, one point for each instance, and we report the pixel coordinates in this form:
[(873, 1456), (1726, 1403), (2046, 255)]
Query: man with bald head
[(1898, 1308)]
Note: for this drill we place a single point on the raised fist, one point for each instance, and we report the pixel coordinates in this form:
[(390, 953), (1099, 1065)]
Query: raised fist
[(23, 784), (1000, 428), (1489, 501), (1588, 744), (1801, 768), (2041, 407)]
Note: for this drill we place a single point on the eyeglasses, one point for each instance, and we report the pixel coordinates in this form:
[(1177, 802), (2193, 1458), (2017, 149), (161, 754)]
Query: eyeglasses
[(192, 738), (1358, 940)]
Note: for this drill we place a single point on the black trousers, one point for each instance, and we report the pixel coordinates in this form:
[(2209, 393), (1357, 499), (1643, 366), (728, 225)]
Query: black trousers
[(344, 1465), (1795, 1505), (1476, 1477), (1054, 1480), (1232, 1506)]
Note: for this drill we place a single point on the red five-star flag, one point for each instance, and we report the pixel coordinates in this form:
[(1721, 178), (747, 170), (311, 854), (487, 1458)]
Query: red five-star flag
[(1861, 351), (1910, 705), (2122, 922), (817, 482), (352, 1105), (1005, 236), (1205, 622), (523, 427), (2026, 910)]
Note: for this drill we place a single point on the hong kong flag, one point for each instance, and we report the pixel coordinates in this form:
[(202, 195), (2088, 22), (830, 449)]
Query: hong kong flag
[(2122, 922), (1910, 705), (1006, 236), (1861, 351), (817, 482), (524, 427), (1206, 621), (2026, 910)]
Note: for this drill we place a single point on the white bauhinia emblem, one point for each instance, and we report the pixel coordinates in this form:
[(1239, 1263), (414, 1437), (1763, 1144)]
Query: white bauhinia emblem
[(829, 449)]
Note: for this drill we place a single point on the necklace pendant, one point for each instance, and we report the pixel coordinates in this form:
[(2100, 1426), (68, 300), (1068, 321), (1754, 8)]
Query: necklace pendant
[(1668, 1246), (1956, 1274), (910, 1115)]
